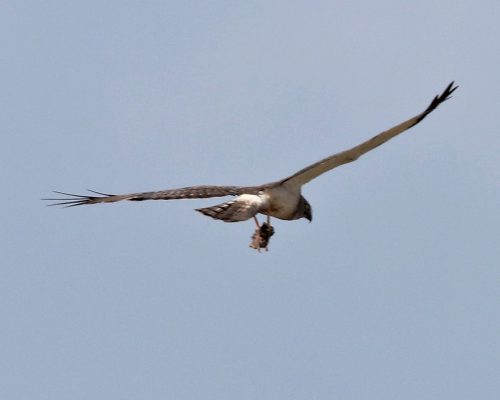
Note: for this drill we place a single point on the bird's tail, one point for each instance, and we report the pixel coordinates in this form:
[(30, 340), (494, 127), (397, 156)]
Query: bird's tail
[(232, 211)]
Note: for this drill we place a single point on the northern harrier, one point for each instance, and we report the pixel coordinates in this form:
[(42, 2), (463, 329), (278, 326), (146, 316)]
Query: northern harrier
[(280, 199)]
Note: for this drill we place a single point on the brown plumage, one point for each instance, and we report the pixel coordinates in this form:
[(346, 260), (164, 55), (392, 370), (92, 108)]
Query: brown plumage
[(281, 199)]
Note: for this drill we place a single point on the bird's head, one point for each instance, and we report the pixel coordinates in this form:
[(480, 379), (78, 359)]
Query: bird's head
[(306, 209)]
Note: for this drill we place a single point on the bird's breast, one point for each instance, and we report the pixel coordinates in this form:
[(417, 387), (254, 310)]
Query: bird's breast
[(282, 202)]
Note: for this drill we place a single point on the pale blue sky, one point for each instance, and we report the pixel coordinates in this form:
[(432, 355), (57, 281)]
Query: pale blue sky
[(391, 293)]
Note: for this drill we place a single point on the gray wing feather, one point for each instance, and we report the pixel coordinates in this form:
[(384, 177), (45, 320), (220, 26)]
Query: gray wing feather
[(312, 171)]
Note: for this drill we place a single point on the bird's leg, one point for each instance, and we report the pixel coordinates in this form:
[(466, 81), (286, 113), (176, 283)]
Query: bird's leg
[(255, 243)]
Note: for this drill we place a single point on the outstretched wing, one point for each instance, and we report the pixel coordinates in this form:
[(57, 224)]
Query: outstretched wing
[(312, 171), (191, 192)]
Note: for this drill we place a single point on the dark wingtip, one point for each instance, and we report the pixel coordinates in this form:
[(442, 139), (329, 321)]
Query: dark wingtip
[(100, 193), (438, 100), (73, 200), (448, 91), (443, 96)]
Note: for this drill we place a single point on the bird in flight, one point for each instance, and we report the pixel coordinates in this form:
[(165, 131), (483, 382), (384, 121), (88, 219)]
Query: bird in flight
[(281, 199)]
